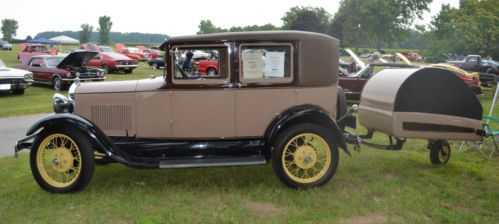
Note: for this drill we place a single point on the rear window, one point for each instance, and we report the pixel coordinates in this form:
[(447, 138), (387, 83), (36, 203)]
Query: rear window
[(266, 62)]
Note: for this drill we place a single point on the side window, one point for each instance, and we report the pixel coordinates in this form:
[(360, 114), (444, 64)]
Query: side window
[(472, 60), (200, 64), (266, 63), (36, 62)]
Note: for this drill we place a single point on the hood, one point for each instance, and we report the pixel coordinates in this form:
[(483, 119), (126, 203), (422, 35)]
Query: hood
[(76, 59), (13, 73), (106, 87), (356, 58)]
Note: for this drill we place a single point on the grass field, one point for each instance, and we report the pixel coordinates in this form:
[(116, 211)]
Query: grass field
[(373, 186)]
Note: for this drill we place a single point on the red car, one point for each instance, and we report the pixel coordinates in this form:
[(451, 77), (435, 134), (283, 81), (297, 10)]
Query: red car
[(413, 56), (207, 67), (60, 71), (134, 53), (110, 62), (32, 50), (151, 53)]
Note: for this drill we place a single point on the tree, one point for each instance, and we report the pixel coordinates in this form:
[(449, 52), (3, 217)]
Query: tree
[(381, 22), (306, 19), (105, 25), (9, 28), (29, 38), (86, 33), (206, 26)]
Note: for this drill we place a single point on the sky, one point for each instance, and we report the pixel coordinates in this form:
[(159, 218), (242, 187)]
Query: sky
[(160, 16)]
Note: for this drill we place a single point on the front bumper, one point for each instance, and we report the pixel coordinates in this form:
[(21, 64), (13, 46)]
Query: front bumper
[(13, 84), (126, 66)]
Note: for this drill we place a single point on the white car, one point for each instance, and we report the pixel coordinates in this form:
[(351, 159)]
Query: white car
[(14, 80)]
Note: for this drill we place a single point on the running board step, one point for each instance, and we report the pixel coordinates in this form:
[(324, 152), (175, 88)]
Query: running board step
[(207, 162)]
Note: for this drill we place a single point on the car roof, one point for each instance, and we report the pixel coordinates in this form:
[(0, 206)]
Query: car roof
[(318, 54)]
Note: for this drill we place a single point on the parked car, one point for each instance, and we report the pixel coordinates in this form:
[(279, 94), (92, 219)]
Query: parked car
[(277, 104), (475, 63), (32, 50), (134, 53), (413, 56), (60, 71), (14, 80), (90, 47), (113, 62), (5, 45), (156, 63), (151, 53)]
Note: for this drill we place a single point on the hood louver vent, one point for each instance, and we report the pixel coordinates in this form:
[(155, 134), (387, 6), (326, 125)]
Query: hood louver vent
[(112, 117)]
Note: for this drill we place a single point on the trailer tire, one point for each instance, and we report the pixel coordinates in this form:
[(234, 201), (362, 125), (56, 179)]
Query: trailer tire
[(439, 152)]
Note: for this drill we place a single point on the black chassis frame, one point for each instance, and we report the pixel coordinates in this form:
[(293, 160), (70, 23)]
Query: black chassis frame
[(153, 153)]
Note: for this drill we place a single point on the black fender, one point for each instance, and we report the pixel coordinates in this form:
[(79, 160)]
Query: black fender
[(306, 114), (98, 138)]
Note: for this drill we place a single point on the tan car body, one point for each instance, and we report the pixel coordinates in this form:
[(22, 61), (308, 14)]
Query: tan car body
[(155, 108)]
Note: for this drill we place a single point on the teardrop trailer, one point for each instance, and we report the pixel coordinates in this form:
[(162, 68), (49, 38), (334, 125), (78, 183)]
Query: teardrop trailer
[(274, 99)]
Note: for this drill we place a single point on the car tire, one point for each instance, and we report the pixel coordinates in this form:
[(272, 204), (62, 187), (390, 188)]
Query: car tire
[(440, 152), (155, 66), (106, 68), (69, 155), (298, 150), (211, 72), (57, 84), (129, 71), (18, 91)]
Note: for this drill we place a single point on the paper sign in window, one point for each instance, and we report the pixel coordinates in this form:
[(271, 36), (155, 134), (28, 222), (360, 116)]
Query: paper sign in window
[(274, 64), (252, 64)]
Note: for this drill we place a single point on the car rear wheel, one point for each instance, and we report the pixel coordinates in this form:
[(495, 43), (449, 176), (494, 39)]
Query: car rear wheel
[(305, 156), (129, 71), (155, 66), (105, 68), (62, 160)]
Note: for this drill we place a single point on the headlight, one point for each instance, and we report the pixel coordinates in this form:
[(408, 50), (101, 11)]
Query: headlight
[(71, 91), (62, 104), (28, 77)]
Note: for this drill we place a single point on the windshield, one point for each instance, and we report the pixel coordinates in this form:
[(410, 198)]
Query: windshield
[(2, 65), (106, 49), (53, 62)]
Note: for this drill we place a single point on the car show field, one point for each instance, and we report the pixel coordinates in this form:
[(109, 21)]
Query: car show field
[(372, 186)]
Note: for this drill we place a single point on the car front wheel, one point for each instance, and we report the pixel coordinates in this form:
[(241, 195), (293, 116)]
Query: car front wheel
[(62, 160), (305, 155), (57, 84)]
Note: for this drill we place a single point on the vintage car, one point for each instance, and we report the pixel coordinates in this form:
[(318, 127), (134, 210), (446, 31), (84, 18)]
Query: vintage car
[(151, 53), (271, 100), (32, 50), (134, 53), (5, 45), (113, 62), (475, 63), (14, 80), (156, 63), (61, 71)]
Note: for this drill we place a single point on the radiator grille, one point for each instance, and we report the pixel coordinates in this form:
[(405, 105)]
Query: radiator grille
[(112, 117)]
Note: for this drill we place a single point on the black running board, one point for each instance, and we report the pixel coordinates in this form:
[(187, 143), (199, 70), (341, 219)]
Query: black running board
[(208, 162)]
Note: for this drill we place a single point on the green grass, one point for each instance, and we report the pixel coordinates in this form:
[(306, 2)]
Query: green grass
[(38, 98), (373, 186)]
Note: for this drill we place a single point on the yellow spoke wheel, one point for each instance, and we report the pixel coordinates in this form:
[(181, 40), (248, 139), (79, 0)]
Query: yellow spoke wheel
[(59, 160), (306, 158), (62, 159)]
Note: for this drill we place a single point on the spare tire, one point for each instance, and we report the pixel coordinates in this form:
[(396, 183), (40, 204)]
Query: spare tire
[(341, 106)]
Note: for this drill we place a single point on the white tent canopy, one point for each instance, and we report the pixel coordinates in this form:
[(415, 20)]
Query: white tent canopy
[(65, 40)]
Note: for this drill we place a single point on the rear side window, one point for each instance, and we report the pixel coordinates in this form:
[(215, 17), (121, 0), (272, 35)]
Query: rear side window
[(266, 62)]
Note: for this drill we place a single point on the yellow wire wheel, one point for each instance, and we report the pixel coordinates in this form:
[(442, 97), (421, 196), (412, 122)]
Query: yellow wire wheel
[(306, 158), (59, 160), (62, 159)]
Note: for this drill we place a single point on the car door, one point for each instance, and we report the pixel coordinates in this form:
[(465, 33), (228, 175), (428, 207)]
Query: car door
[(471, 64), (201, 106), (35, 66)]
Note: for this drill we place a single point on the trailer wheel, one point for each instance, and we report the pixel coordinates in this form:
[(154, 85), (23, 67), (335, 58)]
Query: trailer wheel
[(305, 155), (439, 152), (62, 160)]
